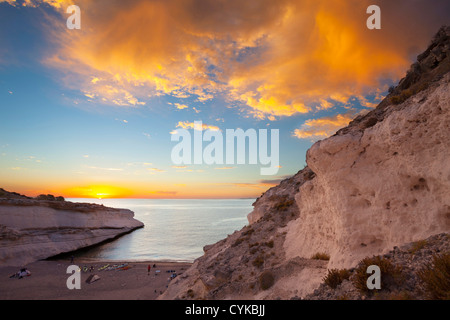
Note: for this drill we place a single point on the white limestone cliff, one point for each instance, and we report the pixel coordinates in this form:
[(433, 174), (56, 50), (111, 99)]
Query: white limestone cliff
[(31, 230), (377, 188)]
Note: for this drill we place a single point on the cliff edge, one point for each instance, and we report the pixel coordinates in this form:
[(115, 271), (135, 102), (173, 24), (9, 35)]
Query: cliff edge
[(32, 229), (383, 181)]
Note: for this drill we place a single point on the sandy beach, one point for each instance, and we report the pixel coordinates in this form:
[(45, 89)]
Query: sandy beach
[(48, 281)]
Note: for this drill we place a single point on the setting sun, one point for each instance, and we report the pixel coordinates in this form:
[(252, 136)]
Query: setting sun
[(98, 191)]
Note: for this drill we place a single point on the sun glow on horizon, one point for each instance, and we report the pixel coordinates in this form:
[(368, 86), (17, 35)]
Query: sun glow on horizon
[(195, 191), (98, 192), (91, 113)]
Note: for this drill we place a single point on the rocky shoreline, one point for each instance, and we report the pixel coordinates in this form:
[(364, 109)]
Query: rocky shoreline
[(32, 229)]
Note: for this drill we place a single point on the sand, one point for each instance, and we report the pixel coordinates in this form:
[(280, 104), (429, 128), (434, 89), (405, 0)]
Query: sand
[(48, 281)]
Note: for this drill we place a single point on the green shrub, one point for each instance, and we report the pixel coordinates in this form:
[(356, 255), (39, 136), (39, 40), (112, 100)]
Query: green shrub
[(266, 280), (251, 245), (269, 244), (335, 277), (418, 245), (258, 261), (391, 275), (396, 100), (244, 237), (320, 256), (49, 197), (405, 94), (436, 277), (238, 241), (282, 203)]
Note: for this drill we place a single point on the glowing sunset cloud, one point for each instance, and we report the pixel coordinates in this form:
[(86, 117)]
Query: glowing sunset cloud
[(278, 58), (97, 106), (323, 127)]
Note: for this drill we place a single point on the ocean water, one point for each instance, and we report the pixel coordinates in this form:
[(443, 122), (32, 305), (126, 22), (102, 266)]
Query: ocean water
[(175, 229)]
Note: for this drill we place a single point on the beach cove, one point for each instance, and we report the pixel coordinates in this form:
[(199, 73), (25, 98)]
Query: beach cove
[(48, 281), (174, 235)]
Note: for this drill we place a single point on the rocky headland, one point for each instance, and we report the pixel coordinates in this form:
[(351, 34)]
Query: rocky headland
[(32, 229)]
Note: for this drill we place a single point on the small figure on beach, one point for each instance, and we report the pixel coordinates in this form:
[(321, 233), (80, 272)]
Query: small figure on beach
[(24, 272), (148, 269)]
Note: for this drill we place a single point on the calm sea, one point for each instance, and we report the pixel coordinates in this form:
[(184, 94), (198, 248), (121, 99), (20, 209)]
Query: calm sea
[(174, 229)]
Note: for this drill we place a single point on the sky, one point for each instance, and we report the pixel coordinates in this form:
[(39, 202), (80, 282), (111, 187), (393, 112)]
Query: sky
[(91, 112)]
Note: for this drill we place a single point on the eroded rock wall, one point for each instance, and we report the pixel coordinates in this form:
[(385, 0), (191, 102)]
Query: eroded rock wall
[(384, 186), (30, 230)]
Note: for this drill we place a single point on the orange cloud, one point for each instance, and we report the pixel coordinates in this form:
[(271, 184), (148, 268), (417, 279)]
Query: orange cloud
[(180, 106), (322, 127), (192, 125), (179, 167), (155, 170), (34, 3), (112, 95), (276, 58), (319, 50)]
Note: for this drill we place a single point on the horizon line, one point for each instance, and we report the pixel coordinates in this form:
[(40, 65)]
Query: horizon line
[(137, 198)]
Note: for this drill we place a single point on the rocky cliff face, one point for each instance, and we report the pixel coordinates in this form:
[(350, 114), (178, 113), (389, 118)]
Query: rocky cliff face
[(32, 229), (384, 180), (381, 182)]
